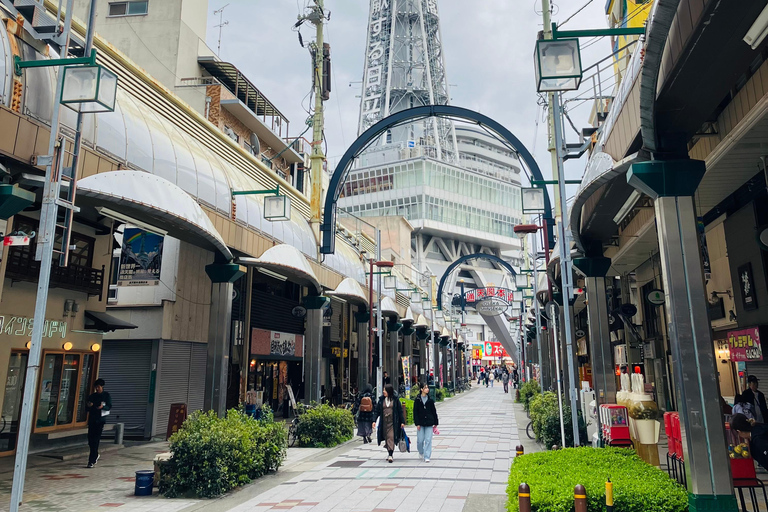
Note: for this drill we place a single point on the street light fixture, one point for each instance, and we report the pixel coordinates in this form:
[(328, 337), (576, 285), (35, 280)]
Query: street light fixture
[(390, 282), (415, 297), (557, 65), (533, 200), (378, 264), (89, 89)]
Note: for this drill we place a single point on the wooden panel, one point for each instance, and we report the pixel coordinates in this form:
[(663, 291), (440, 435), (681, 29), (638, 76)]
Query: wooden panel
[(89, 164), (26, 137), (41, 143), (105, 165), (9, 126)]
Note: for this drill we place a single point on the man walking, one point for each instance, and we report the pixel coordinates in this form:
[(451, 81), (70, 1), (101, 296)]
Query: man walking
[(505, 380), (756, 397), (99, 403)]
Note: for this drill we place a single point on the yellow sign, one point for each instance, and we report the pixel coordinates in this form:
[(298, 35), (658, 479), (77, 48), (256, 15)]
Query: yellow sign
[(336, 351)]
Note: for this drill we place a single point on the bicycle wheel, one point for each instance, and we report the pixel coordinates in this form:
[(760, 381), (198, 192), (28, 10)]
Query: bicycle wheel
[(292, 435), (529, 431)]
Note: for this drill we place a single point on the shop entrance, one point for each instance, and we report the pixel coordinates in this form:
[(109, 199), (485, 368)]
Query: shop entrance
[(14, 391), (271, 378)]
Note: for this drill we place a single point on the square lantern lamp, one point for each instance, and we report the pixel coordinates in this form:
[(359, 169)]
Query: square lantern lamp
[(426, 304), (533, 200), (415, 297), (438, 314), (277, 208), (521, 281), (390, 282), (557, 65), (89, 89)]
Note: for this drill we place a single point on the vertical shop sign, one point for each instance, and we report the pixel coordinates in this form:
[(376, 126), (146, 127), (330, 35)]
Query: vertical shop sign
[(407, 373), (747, 287), (140, 259)]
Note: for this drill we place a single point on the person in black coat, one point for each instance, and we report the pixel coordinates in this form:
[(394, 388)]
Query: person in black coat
[(756, 397), (389, 412), (425, 419), (366, 418)]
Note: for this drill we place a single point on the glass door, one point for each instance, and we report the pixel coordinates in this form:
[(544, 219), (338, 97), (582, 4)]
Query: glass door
[(14, 391)]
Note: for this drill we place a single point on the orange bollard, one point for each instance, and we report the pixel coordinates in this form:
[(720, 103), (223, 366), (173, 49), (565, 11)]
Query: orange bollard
[(580, 498), (520, 450), (524, 498)]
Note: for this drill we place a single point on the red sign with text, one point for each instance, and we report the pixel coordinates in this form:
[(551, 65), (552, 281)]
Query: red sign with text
[(494, 349), (744, 345)]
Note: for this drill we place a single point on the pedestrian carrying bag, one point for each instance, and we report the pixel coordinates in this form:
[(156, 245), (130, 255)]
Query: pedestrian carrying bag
[(366, 405), (405, 444)]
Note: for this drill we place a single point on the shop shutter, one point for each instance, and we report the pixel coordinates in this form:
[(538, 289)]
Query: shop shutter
[(760, 370), (182, 379), (126, 366), (274, 313), (337, 309), (198, 361)]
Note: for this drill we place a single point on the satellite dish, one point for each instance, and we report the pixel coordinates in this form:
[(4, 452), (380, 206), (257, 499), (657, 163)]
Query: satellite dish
[(255, 145)]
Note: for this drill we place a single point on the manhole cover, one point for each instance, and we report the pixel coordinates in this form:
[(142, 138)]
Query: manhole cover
[(347, 464)]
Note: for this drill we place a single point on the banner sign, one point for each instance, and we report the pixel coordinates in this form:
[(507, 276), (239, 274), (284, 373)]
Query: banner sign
[(494, 349), (274, 343), (744, 345), (479, 294), (140, 258), (477, 353), (407, 374)]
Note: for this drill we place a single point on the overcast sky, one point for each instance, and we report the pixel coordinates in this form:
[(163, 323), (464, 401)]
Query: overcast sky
[(488, 50)]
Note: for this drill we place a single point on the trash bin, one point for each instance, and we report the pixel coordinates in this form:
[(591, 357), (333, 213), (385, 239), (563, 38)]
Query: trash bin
[(145, 480)]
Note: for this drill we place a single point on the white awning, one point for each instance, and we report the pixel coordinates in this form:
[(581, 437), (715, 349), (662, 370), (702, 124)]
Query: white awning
[(153, 201), (350, 290), (408, 315), (285, 261), (421, 322), (388, 307), (445, 333)]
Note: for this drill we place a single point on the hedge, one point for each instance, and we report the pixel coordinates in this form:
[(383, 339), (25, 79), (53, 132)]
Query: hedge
[(408, 410), (325, 426), (551, 476), (528, 390), (545, 417), (212, 455)]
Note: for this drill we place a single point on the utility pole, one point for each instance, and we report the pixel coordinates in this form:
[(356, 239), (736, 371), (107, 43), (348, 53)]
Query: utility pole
[(220, 26), (317, 158), (557, 149)]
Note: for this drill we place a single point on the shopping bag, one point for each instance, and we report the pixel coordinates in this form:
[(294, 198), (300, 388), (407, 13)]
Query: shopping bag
[(435, 431), (405, 444)]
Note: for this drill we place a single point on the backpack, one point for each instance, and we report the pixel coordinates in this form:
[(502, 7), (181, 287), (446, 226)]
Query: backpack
[(366, 405)]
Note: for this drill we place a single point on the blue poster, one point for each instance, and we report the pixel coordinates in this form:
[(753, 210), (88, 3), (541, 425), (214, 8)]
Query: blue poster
[(140, 258)]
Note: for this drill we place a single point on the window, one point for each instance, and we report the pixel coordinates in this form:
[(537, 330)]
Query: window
[(64, 387), (14, 390), (81, 246), (134, 8)]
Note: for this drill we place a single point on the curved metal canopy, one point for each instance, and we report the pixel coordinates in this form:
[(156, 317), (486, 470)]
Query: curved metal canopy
[(421, 322), (154, 201), (350, 290), (463, 259), (409, 317), (286, 261), (388, 307)]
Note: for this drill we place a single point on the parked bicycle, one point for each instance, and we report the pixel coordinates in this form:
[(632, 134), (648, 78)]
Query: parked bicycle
[(293, 428)]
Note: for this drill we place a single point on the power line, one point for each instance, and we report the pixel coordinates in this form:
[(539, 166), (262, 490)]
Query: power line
[(577, 12)]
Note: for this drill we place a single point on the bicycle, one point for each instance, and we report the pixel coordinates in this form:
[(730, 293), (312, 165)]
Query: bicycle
[(293, 428), (529, 431)]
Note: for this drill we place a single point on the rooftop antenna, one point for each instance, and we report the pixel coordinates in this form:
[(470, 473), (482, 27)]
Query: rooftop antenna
[(222, 23)]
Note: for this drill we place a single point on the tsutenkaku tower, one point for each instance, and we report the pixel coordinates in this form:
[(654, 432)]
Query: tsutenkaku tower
[(405, 68)]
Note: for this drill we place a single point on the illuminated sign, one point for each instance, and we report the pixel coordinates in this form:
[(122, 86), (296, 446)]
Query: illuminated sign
[(22, 326), (744, 345)]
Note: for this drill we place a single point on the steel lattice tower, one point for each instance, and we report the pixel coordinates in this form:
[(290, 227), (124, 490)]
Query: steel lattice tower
[(404, 68)]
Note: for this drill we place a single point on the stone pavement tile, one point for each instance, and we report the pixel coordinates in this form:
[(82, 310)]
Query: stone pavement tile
[(497, 489)]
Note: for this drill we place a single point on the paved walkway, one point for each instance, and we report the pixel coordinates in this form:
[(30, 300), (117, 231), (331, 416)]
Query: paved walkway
[(470, 459), (468, 471)]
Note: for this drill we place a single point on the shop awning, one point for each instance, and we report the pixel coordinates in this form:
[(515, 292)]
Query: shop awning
[(285, 262), (445, 333), (350, 290), (388, 307), (100, 321), (421, 322), (149, 201), (408, 316)]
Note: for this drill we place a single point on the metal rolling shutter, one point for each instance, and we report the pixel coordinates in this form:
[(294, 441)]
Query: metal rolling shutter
[(173, 381), (126, 367), (274, 313), (337, 308), (760, 370), (198, 361)]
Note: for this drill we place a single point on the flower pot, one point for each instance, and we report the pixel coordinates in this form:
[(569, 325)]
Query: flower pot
[(645, 431)]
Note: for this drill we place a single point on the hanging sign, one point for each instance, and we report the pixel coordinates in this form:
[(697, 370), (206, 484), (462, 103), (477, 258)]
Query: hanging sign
[(655, 297), (494, 349), (491, 306), (407, 373), (744, 345), (299, 311), (140, 259)]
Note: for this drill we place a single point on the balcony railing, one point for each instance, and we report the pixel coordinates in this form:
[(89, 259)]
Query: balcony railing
[(22, 266)]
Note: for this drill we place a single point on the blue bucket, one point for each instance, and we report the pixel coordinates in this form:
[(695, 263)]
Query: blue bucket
[(145, 480)]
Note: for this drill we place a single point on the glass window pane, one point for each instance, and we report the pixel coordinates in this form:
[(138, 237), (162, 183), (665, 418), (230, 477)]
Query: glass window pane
[(68, 391), (85, 387), (14, 390), (49, 390), (137, 8)]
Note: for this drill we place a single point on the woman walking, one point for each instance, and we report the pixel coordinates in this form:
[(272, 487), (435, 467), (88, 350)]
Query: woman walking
[(365, 414), (425, 419), (389, 412)]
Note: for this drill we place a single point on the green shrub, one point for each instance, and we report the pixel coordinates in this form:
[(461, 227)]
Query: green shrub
[(414, 392), (528, 390), (408, 410), (545, 417), (637, 486), (211, 455), (439, 394), (325, 426)]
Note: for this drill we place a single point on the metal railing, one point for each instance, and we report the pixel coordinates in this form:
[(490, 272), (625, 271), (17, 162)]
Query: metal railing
[(23, 267)]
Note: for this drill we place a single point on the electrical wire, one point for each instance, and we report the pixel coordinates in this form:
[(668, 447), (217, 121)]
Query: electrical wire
[(575, 13)]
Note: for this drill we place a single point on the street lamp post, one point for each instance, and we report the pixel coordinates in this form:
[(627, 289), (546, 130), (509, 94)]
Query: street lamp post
[(523, 231), (374, 262)]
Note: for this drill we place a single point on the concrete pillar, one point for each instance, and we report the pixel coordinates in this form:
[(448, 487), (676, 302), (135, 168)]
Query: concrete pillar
[(423, 357), (217, 363), (672, 184), (393, 328), (363, 372), (313, 347), (603, 378)]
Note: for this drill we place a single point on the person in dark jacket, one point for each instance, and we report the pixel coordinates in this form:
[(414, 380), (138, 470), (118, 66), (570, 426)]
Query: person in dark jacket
[(389, 412), (99, 403), (756, 397), (425, 419), (757, 433), (365, 418)]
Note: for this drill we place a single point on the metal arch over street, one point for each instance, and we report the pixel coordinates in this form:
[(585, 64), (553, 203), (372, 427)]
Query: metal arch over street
[(463, 259), (328, 227)]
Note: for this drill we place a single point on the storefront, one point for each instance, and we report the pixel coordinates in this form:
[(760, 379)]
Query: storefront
[(276, 364)]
